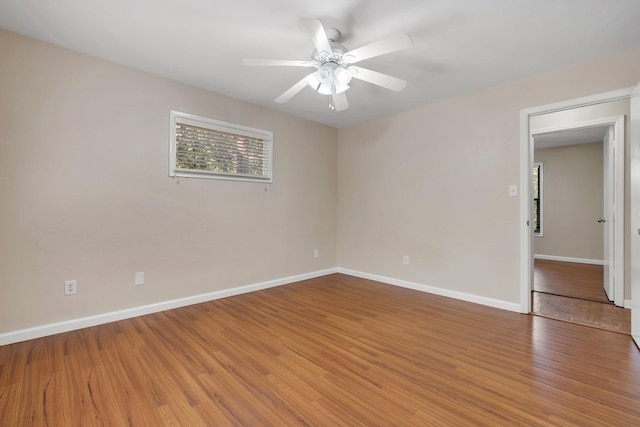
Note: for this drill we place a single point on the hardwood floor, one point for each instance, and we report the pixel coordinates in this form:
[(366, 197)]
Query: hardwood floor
[(332, 351), (574, 293), (583, 281), (583, 312)]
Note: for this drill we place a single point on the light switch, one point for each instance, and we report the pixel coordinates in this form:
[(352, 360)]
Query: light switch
[(139, 278), (513, 190)]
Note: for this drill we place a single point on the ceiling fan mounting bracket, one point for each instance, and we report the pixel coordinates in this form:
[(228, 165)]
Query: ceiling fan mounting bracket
[(333, 34)]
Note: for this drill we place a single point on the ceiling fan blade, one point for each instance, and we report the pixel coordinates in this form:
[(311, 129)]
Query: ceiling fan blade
[(318, 35), (276, 62), (390, 44), (293, 90), (389, 82), (340, 102)]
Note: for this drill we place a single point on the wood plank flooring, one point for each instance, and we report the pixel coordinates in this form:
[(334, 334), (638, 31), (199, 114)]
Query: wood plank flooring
[(332, 351), (569, 279), (583, 312), (574, 293)]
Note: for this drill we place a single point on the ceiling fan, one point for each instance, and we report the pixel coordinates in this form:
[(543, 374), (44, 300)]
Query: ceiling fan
[(334, 67)]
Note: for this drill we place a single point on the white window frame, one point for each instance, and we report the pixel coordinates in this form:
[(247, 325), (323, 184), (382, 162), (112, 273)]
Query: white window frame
[(541, 191), (177, 117)]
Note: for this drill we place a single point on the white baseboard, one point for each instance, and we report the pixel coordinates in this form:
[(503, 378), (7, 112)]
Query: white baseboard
[(99, 319), (504, 305), (569, 259), (627, 304)]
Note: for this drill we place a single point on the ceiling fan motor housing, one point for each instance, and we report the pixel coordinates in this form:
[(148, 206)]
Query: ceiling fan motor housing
[(336, 55)]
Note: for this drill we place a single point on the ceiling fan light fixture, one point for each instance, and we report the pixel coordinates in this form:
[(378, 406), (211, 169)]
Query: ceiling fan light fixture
[(324, 90), (324, 74), (339, 88), (330, 79), (342, 75)]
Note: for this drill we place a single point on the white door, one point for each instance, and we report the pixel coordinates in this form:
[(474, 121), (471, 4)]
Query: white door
[(608, 218), (635, 214)]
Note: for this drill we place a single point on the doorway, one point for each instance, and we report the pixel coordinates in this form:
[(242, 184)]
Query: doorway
[(572, 240), (574, 184), (568, 109)]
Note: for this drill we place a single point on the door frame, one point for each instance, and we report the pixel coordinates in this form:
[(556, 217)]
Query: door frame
[(526, 163), (616, 251), (634, 172)]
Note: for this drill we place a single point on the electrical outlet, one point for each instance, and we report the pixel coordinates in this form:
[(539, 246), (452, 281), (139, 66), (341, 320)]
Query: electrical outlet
[(316, 253), (70, 287), (139, 279), (405, 259)]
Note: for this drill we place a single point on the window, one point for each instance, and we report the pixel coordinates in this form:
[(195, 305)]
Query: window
[(207, 148), (537, 199)]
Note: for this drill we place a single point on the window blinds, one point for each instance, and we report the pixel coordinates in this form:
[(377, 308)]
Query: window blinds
[(212, 148)]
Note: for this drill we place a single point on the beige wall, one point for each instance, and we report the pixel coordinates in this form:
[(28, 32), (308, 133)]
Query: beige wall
[(592, 112), (432, 182), (572, 201), (85, 192)]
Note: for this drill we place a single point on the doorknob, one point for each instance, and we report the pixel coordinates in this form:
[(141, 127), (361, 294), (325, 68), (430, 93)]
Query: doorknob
[(601, 220)]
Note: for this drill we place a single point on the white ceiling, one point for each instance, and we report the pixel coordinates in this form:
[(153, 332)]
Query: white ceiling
[(459, 45), (570, 137)]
